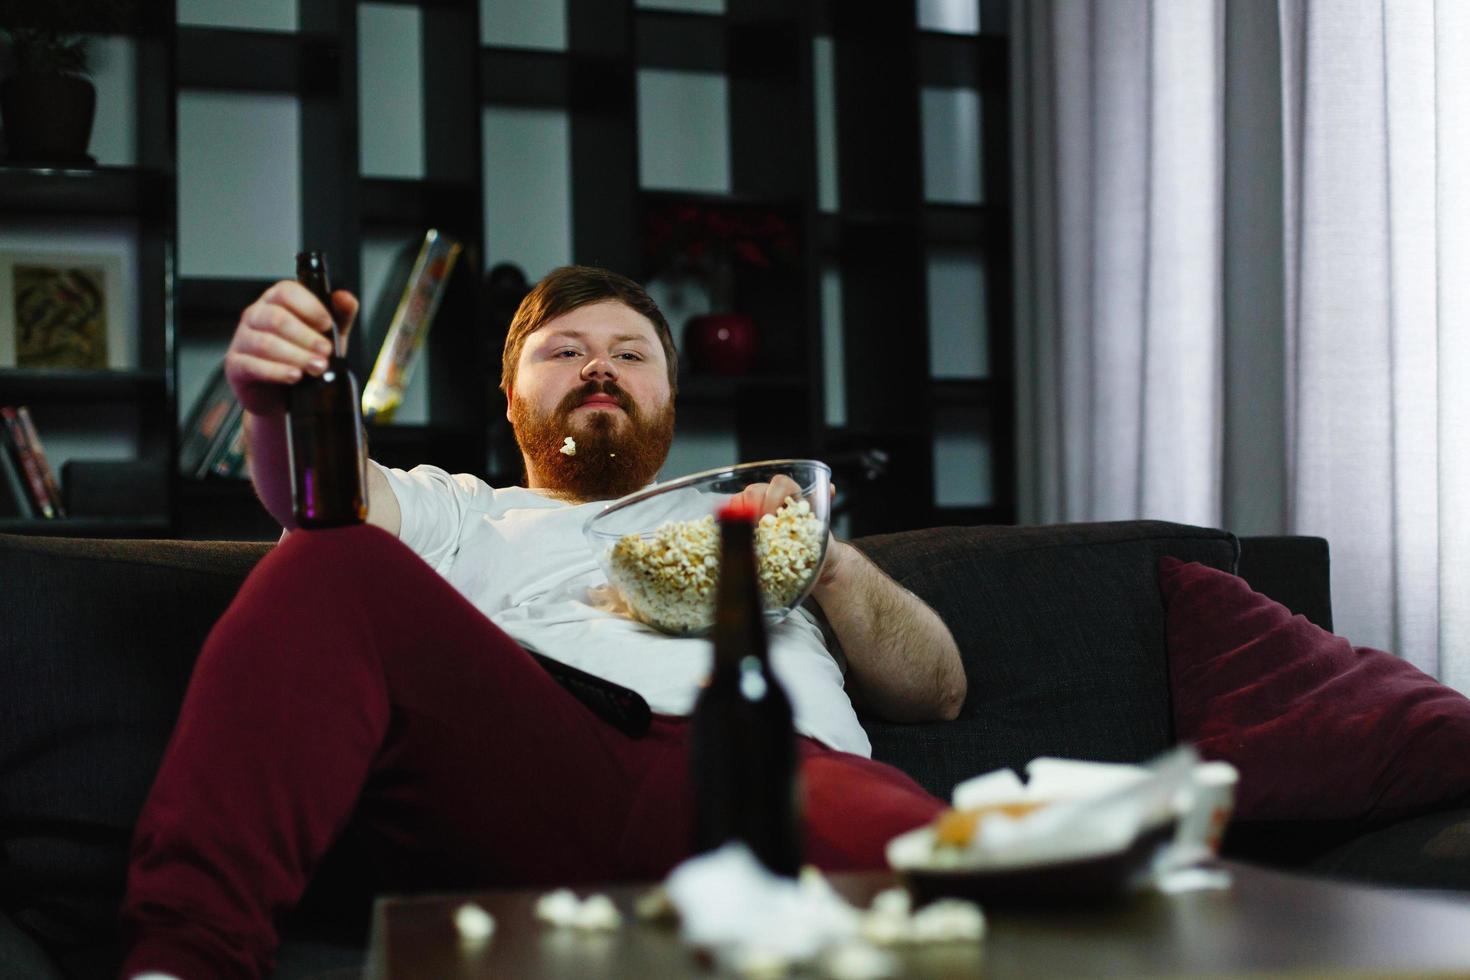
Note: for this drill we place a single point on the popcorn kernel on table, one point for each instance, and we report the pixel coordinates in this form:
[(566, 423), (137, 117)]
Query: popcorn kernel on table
[(598, 913), (558, 907), (562, 908), (473, 923)]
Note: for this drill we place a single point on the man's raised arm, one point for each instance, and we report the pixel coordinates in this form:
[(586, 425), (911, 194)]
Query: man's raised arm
[(280, 337), (902, 660)]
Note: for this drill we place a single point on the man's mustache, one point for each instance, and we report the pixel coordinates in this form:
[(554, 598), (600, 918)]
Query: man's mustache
[(610, 388)]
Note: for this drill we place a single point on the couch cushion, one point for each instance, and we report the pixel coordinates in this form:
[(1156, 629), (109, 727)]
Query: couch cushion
[(98, 644), (1318, 728), (1062, 632)]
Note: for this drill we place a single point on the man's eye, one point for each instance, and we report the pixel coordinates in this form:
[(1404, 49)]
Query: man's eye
[(565, 353), (631, 356)]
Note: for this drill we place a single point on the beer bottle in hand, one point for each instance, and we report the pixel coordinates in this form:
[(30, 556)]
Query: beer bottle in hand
[(743, 746), (328, 460)]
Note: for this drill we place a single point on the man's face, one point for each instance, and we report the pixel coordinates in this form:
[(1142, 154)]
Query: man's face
[(599, 375)]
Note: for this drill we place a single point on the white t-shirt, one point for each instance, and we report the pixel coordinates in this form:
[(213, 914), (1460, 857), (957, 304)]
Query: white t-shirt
[(519, 556)]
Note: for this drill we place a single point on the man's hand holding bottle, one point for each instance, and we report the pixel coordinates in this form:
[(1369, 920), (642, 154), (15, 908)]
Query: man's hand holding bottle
[(305, 444), (281, 336)]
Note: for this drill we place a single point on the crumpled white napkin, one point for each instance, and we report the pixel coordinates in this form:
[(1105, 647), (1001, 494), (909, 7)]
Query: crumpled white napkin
[(761, 924), (726, 898)]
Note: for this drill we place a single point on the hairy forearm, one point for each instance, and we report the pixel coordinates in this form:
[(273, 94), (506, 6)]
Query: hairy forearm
[(902, 660)]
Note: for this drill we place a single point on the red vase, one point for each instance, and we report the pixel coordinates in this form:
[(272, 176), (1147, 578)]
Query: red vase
[(721, 343)]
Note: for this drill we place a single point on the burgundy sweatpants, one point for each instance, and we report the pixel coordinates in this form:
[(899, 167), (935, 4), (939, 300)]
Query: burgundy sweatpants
[(349, 682)]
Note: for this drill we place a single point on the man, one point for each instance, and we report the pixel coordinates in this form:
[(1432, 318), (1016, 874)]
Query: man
[(360, 687)]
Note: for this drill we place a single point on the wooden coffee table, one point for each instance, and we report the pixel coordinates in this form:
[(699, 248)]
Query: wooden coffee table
[(1267, 923)]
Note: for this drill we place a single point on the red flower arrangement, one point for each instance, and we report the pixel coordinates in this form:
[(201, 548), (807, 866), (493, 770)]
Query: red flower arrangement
[(707, 241)]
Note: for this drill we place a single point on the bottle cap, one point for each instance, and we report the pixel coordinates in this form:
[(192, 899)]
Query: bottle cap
[(739, 510)]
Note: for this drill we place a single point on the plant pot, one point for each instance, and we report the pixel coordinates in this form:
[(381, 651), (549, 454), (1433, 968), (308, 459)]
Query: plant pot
[(721, 343), (48, 118)]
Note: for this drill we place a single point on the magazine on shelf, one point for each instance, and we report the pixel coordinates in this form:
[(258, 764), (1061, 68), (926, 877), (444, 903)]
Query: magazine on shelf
[(229, 462), (211, 414), (219, 443), (423, 289)]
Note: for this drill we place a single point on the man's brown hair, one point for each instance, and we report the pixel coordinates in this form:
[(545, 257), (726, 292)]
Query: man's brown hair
[(571, 287)]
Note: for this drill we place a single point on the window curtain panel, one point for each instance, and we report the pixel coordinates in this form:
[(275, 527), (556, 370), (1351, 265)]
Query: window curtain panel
[(1243, 285), (1377, 206), (1120, 211)]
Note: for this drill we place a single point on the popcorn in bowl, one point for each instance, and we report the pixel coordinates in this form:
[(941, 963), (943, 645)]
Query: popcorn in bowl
[(659, 548), (668, 578)]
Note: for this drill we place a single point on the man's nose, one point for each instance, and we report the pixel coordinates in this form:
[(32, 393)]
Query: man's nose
[(599, 368)]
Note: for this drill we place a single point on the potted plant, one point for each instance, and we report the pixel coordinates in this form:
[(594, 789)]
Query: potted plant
[(47, 100), (707, 242)]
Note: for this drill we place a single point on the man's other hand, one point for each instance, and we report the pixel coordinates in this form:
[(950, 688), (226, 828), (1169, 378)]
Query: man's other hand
[(767, 498), (281, 336)]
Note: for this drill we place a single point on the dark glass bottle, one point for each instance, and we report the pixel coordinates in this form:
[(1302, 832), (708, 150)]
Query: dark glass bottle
[(743, 745), (328, 459)]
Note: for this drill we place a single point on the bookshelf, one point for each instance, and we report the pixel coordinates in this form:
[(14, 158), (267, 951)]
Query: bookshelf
[(846, 367), (114, 209)]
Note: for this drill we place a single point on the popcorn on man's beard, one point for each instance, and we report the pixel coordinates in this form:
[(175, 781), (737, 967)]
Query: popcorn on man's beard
[(616, 452)]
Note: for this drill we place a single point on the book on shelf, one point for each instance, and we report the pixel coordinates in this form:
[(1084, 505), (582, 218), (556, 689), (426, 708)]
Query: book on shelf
[(29, 455), (15, 499), (423, 287), (209, 422), (38, 449)]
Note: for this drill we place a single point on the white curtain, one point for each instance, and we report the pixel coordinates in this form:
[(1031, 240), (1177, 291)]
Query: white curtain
[(1244, 283), (1120, 133), (1377, 196)]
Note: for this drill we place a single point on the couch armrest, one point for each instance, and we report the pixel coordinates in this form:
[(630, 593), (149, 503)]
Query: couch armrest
[(1293, 570), (97, 643)]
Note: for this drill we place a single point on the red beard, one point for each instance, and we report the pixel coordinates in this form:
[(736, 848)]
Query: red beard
[(615, 456)]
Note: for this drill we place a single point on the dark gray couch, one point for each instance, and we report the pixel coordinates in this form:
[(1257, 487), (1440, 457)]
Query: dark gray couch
[(1062, 631)]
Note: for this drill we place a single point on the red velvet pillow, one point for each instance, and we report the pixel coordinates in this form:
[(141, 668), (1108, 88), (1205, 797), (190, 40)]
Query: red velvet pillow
[(1318, 728)]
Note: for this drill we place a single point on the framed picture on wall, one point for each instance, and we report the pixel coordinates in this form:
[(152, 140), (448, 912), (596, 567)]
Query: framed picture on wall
[(62, 310)]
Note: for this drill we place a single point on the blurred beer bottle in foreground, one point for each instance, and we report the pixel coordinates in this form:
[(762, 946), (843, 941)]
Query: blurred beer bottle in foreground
[(328, 459), (743, 744)]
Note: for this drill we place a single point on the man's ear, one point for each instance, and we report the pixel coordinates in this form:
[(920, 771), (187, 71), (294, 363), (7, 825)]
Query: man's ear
[(510, 394)]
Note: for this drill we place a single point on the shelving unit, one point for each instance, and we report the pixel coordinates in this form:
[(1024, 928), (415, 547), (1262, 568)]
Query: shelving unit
[(877, 241), (104, 191), (139, 398)]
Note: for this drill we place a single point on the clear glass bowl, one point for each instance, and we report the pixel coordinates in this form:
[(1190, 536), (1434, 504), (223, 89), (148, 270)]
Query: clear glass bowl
[(659, 547)]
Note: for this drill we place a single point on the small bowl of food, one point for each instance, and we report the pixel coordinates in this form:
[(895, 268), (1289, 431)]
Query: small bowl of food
[(942, 861), (660, 547)]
